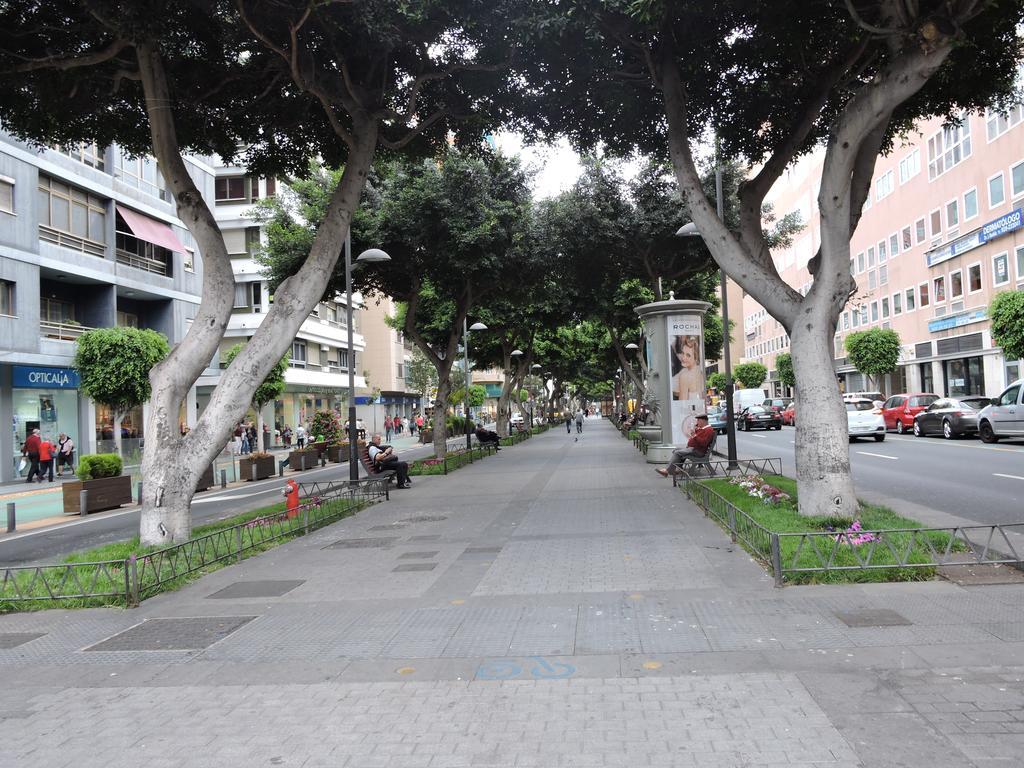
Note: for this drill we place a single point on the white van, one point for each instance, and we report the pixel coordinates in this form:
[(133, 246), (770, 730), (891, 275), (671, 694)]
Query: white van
[(744, 398)]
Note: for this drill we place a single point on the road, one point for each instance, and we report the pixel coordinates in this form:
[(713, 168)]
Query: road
[(50, 544), (966, 477)]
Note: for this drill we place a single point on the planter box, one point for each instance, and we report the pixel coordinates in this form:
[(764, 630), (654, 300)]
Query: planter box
[(295, 459), (104, 493), (339, 453), (265, 468), (426, 436), (206, 481)]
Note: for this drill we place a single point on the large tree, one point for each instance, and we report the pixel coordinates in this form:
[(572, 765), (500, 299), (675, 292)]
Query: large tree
[(774, 80), (292, 80)]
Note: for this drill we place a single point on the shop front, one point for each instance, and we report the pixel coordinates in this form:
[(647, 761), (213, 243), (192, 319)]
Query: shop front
[(298, 403), (46, 399)]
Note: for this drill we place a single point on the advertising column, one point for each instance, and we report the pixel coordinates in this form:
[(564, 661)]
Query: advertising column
[(686, 357)]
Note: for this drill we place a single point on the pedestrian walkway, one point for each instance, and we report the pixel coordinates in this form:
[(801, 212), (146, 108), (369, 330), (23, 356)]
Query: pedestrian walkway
[(557, 604)]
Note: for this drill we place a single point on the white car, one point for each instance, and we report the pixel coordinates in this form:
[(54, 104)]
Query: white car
[(864, 419), (1004, 417)]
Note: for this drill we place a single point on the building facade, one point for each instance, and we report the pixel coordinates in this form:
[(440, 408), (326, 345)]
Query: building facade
[(941, 233), (89, 238), (387, 392)]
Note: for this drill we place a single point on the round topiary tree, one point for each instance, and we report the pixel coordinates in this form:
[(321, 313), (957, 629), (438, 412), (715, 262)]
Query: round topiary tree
[(717, 380), (1007, 314), (784, 366), (750, 375), (874, 352), (113, 365)]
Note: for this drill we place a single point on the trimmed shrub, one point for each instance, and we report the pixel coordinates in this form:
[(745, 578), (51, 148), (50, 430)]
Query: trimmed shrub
[(93, 466)]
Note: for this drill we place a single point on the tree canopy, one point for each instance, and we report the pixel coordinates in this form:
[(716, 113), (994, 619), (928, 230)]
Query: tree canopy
[(875, 351), (1007, 313), (750, 375), (114, 363)]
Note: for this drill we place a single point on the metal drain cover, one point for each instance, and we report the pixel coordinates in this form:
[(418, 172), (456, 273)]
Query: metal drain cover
[(256, 589), (417, 555), (873, 617), (392, 527), (424, 519), (378, 543), (173, 634), (414, 567), (482, 550), (426, 537), (14, 639)]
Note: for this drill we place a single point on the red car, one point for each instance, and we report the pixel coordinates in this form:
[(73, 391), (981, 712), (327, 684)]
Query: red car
[(789, 415), (899, 410)]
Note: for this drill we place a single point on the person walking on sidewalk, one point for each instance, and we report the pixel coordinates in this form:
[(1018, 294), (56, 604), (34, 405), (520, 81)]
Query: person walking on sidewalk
[(31, 451), (66, 454), (568, 423), (388, 427), (46, 452), (579, 421)]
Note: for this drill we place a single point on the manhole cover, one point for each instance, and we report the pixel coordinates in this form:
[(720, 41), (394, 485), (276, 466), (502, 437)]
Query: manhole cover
[(482, 550), (425, 519), (14, 639), (173, 634), (256, 589), (379, 543), (872, 617), (417, 555), (426, 537), (414, 567), (392, 527)]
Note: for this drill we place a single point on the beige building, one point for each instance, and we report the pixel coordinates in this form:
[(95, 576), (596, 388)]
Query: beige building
[(942, 232), (384, 363)]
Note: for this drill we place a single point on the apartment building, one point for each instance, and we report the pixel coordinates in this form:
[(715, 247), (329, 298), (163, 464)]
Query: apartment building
[(317, 375), (88, 239), (940, 235), (385, 363)]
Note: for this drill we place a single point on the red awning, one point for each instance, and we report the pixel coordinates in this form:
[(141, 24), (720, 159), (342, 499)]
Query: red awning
[(151, 231)]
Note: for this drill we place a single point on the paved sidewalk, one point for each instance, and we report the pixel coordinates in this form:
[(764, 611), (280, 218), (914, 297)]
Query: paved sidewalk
[(557, 604)]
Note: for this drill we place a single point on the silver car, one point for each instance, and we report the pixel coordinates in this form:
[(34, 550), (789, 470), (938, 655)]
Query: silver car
[(1004, 416)]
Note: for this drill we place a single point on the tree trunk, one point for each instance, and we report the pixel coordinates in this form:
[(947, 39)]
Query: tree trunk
[(444, 388), (259, 429), (118, 417)]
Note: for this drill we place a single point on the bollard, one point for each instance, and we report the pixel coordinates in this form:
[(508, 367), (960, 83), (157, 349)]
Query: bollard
[(223, 478), (302, 462), (11, 521), (323, 459), (280, 468), (83, 503), (252, 471), (139, 492)]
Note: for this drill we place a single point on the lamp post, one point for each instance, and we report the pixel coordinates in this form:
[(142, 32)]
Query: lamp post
[(366, 257), (465, 361), (690, 230)]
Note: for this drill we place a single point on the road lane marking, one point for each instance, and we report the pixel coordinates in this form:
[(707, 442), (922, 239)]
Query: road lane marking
[(1012, 477), (879, 455), (953, 444), (759, 437)]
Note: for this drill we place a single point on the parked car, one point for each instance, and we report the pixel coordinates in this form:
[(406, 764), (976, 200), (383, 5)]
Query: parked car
[(864, 419), (777, 404), (872, 396), (1004, 416), (758, 417), (716, 419), (789, 415), (899, 410), (950, 418)]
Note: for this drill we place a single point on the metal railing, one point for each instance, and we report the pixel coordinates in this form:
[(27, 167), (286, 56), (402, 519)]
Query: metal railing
[(62, 331), (74, 242), (452, 460), (810, 552), (140, 576), (145, 263)]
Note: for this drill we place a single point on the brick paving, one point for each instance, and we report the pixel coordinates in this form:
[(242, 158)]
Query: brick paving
[(577, 611)]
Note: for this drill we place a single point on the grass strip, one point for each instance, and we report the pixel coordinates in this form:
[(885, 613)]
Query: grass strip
[(454, 460), (783, 517)]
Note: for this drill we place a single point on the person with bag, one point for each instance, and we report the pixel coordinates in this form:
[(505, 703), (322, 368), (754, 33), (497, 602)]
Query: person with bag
[(66, 454), (383, 457), (31, 451)]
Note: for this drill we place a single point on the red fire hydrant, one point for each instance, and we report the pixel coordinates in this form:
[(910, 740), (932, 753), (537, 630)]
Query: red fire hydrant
[(291, 493)]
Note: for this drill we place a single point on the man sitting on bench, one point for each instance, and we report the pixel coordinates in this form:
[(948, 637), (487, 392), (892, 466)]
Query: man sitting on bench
[(383, 457), (697, 447), (486, 436)]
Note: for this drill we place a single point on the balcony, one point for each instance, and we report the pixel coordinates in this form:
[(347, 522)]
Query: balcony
[(73, 242), (145, 263), (62, 331)]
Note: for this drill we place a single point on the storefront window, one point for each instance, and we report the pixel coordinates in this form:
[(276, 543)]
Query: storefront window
[(49, 411), (131, 433), (964, 376), (927, 382)]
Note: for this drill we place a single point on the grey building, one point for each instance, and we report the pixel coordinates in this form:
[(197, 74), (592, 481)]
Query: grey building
[(88, 239)]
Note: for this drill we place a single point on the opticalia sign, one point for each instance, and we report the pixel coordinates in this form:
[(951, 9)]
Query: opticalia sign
[(1004, 225), (31, 377)]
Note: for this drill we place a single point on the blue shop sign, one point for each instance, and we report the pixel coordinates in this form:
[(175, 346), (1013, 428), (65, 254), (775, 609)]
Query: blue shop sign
[(1004, 225), (956, 321), (32, 377)]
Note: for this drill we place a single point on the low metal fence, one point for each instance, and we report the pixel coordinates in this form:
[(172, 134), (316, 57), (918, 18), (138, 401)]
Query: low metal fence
[(809, 552), (516, 436), (138, 577), (451, 461)]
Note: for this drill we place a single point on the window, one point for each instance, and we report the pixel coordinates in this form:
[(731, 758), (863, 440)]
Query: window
[(952, 214), (936, 223), (1017, 180), (1000, 269), (949, 147), (906, 236), (974, 278), (229, 189), (860, 262), (927, 381), (6, 297), (939, 292), (998, 123), (874, 311), (1020, 263), (140, 254), (141, 173), (970, 203), (996, 191), (271, 187), (883, 274), (241, 296), (6, 194), (66, 210), (910, 166), (872, 280), (257, 296), (922, 291), (856, 318), (920, 235), (881, 252), (87, 154), (871, 257), (894, 245), (897, 304), (885, 307), (956, 284), (909, 295), (56, 310), (884, 186), (298, 359), (188, 260), (127, 320), (864, 315), (846, 321), (853, 266)]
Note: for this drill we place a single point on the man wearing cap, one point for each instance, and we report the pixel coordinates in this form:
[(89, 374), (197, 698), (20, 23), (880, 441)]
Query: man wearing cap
[(697, 447)]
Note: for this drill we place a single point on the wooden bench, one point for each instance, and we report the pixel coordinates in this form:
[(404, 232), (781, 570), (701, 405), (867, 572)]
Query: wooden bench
[(373, 471)]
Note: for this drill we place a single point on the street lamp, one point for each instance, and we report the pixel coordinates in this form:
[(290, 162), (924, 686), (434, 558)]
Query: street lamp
[(366, 257), (465, 361)]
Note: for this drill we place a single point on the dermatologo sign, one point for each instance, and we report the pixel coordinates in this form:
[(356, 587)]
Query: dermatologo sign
[(686, 361)]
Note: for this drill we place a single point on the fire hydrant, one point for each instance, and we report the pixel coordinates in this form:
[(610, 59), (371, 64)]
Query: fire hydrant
[(291, 494)]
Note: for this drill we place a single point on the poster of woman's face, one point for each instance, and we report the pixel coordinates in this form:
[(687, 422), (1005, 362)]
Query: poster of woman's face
[(686, 345)]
